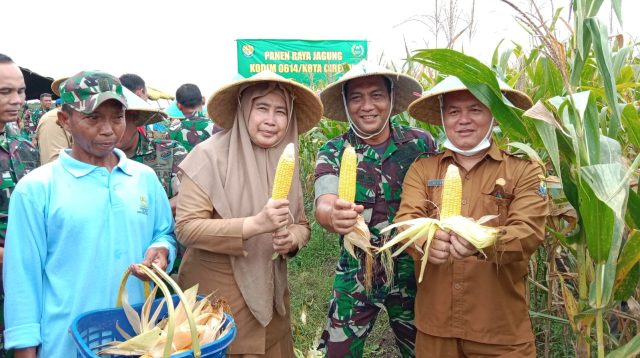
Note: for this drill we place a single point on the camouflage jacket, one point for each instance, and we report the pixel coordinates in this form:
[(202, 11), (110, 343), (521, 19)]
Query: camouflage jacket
[(379, 178), (27, 127), (163, 156), (191, 131), (36, 115), (17, 158)]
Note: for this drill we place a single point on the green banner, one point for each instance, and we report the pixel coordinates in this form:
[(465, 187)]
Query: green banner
[(306, 61)]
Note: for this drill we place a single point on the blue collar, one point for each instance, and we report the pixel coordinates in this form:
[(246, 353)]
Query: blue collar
[(78, 168)]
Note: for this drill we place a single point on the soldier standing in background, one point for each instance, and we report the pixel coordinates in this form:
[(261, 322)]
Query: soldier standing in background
[(17, 155)]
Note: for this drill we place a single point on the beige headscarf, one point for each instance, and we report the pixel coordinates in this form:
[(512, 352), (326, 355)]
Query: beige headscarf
[(238, 177)]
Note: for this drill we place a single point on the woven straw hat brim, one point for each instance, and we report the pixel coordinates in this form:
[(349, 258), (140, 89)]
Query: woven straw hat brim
[(405, 90), (223, 104), (427, 107), (55, 85), (148, 114)]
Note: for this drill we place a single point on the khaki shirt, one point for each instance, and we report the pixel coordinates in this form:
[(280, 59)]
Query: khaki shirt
[(480, 299), (210, 240), (51, 137)]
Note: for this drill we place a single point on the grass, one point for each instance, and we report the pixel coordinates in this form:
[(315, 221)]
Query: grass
[(311, 275)]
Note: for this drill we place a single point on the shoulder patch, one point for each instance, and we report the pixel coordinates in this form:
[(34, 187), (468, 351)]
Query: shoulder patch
[(542, 187)]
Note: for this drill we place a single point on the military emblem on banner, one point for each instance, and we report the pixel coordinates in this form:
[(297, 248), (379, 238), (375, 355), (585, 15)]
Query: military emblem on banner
[(357, 50), (247, 50)]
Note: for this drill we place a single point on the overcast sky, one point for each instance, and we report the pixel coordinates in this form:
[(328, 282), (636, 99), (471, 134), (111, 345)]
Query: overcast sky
[(173, 42)]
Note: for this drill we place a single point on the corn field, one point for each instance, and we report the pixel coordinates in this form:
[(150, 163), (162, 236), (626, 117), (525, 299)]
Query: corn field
[(584, 129)]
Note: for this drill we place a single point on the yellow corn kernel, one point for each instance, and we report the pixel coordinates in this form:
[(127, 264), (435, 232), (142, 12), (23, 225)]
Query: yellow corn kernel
[(451, 203), (348, 171), (284, 173)]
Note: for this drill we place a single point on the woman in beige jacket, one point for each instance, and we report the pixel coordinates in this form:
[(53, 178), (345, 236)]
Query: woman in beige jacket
[(226, 219)]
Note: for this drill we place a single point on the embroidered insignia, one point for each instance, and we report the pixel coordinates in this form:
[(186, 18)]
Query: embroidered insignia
[(144, 207), (542, 188)]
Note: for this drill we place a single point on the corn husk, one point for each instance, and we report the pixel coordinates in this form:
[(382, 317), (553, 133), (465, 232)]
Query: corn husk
[(360, 237), (152, 335), (424, 229)]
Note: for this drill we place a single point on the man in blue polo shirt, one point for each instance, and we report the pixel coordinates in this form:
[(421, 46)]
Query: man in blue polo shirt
[(79, 222)]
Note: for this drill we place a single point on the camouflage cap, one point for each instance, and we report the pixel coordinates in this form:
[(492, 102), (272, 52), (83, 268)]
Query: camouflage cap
[(86, 90)]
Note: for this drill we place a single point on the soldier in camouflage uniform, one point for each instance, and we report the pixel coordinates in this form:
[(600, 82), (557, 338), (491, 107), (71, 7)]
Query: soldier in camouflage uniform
[(367, 96), (191, 130), (192, 127), (17, 154), (24, 122), (162, 155), (45, 106)]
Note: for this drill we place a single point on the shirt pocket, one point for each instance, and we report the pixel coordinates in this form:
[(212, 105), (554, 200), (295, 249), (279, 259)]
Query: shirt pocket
[(496, 201), (367, 189)]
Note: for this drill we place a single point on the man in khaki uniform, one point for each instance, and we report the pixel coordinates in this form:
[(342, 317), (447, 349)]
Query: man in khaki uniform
[(469, 304), (51, 138)]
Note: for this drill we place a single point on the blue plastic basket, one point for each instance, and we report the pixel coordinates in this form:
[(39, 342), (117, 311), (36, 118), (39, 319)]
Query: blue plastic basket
[(93, 329)]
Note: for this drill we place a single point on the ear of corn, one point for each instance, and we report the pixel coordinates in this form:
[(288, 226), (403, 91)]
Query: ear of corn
[(360, 237), (284, 173), (451, 204), (422, 230), (348, 171)]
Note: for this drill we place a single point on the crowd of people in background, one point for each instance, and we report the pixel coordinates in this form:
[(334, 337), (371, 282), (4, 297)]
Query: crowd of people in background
[(99, 180)]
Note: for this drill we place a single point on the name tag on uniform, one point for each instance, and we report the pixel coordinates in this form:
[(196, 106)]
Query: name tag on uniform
[(434, 182)]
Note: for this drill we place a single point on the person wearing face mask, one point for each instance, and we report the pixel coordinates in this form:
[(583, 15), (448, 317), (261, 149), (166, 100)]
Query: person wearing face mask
[(367, 96), (226, 219), (468, 303)]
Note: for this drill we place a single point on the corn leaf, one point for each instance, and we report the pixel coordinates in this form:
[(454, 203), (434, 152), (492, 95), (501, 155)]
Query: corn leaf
[(630, 349), (609, 273), (597, 221), (549, 79), (532, 154), (599, 33), (627, 287), (628, 259), (570, 305), (632, 217), (569, 186), (617, 8), (582, 45), (593, 7), (548, 136), (631, 124), (608, 179), (619, 60), (580, 58), (592, 130)]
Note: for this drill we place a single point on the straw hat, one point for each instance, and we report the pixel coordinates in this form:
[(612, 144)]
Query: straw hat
[(222, 105), (405, 89), (427, 107), (148, 114)]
